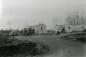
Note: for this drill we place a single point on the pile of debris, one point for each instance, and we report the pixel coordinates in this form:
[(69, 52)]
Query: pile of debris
[(75, 36)]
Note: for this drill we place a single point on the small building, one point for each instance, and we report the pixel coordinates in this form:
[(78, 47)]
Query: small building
[(74, 28), (58, 28), (70, 28), (40, 29)]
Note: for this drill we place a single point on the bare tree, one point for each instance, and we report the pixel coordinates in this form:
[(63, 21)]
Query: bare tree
[(76, 19)]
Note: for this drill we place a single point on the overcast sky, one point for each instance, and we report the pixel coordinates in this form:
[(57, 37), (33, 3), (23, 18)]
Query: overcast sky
[(20, 13)]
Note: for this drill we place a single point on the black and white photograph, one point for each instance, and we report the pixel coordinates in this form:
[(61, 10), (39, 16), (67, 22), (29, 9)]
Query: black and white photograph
[(42, 28)]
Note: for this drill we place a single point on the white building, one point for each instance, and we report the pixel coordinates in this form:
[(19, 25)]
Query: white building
[(74, 28), (70, 28), (39, 29)]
